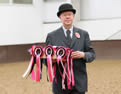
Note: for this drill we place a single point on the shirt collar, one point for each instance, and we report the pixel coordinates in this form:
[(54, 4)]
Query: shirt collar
[(71, 29)]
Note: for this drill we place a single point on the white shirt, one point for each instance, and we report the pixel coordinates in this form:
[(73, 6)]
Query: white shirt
[(71, 29)]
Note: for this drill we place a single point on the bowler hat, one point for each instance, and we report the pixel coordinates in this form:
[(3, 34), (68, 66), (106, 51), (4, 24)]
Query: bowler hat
[(65, 7)]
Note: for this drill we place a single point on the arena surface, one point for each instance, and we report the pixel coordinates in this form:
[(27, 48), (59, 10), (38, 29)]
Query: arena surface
[(104, 77)]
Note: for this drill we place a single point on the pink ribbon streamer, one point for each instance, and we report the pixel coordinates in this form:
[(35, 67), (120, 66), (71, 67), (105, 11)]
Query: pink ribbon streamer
[(63, 78), (50, 70), (64, 74), (38, 70), (72, 74), (54, 69), (67, 68), (32, 73), (68, 72), (59, 59)]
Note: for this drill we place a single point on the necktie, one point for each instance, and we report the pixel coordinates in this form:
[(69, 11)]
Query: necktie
[(69, 40)]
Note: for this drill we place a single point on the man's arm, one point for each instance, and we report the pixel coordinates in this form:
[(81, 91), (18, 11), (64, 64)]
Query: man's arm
[(88, 54), (89, 51)]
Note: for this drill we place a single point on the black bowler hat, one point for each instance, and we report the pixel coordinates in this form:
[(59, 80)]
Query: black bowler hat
[(65, 7)]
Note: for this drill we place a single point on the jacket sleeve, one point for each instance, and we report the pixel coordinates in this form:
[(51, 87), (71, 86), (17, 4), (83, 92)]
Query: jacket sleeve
[(48, 40), (89, 51)]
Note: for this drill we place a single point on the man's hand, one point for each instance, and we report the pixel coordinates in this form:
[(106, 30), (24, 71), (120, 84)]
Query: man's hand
[(78, 54)]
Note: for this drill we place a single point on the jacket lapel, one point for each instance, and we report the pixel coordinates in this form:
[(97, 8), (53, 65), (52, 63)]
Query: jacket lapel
[(74, 38), (62, 36)]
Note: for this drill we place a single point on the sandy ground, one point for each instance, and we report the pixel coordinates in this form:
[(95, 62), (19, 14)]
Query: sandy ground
[(104, 77)]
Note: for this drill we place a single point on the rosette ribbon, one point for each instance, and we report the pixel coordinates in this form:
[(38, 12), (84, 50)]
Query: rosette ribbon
[(37, 52), (49, 52), (61, 55), (64, 63)]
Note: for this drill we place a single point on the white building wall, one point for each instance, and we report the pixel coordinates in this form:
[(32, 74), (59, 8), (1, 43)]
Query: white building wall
[(101, 29), (21, 24), (101, 18), (25, 24), (100, 9), (50, 10)]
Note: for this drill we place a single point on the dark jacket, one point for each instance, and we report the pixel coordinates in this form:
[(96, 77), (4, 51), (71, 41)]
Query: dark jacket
[(58, 38)]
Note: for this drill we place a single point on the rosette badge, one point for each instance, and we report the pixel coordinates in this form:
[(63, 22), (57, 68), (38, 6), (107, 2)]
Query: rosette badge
[(37, 50), (37, 53), (61, 51), (56, 56), (49, 52), (67, 73)]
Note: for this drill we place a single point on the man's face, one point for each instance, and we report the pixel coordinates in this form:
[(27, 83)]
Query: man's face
[(67, 18)]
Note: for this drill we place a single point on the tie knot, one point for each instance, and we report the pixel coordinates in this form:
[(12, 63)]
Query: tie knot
[(68, 32)]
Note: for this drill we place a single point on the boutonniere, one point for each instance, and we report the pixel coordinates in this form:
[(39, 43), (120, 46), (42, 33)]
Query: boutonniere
[(77, 35)]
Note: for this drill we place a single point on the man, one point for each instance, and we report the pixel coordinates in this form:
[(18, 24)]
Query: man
[(72, 37)]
